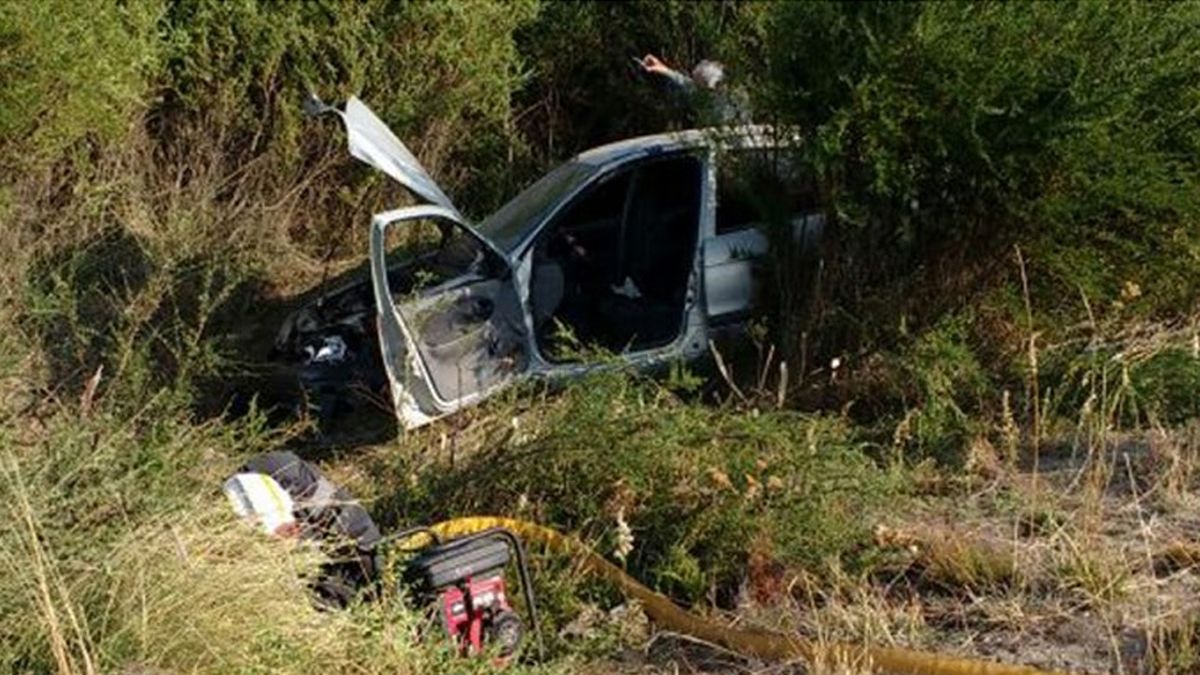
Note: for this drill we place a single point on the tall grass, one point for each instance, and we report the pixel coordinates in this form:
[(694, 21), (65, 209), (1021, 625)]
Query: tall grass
[(163, 199), (119, 554)]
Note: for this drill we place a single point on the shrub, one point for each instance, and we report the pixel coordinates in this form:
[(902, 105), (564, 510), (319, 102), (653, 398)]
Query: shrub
[(942, 133), (439, 72), (699, 487), (583, 89), (943, 383), (71, 74)]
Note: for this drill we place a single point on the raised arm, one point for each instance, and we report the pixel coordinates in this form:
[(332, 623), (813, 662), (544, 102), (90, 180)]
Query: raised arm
[(652, 64)]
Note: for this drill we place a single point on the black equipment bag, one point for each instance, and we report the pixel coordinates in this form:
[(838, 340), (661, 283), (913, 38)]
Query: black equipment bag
[(328, 514)]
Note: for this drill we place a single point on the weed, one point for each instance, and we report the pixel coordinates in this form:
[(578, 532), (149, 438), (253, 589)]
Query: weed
[(1099, 576), (945, 381), (695, 485)]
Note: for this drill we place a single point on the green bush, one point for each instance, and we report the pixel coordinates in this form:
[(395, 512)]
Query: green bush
[(943, 133), (180, 122), (439, 73), (69, 74), (944, 384), (583, 88), (699, 487)]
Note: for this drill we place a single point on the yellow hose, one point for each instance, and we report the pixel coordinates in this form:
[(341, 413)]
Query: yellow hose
[(759, 643)]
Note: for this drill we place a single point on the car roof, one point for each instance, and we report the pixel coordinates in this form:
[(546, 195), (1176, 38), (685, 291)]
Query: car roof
[(749, 135)]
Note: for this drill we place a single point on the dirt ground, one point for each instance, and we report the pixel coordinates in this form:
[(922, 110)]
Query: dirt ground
[(1075, 562)]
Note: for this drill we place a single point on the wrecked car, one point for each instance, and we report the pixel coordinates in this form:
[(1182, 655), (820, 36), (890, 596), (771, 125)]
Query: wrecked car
[(644, 250)]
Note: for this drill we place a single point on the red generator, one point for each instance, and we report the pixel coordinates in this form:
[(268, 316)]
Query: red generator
[(463, 579)]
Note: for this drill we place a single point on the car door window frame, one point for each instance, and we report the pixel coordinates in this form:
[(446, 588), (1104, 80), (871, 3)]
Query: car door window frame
[(523, 257)]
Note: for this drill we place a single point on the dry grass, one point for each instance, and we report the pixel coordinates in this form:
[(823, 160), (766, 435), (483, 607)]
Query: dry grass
[(118, 554), (186, 589), (1091, 566)]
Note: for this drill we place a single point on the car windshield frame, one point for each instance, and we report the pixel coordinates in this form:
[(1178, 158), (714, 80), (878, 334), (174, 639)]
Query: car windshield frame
[(511, 224)]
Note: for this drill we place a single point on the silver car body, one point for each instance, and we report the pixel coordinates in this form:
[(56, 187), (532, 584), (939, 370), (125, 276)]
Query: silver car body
[(429, 378)]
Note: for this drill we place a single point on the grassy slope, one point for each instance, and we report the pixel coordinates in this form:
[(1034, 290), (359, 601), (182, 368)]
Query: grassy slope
[(1013, 469)]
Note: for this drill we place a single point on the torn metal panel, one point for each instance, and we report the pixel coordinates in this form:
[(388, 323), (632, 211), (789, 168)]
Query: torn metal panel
[(372, 142)]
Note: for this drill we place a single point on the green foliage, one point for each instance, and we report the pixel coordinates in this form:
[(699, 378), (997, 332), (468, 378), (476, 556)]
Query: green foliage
[(944, 382), (1168, 385), (699, 487), (158, 328), (583, 87), (70, 73), (440, 73), (944, 132), (954, 117), (1129, 383), (192, 115)]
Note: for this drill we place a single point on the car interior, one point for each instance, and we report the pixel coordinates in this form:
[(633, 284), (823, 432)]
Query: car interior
[(760, 188), (611, 271)]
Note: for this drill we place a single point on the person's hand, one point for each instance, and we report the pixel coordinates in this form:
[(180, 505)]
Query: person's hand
[(653, 64)]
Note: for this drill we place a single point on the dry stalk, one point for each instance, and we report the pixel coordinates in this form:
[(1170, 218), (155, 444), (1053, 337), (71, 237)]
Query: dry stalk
[(724, 371), (1032, 351)]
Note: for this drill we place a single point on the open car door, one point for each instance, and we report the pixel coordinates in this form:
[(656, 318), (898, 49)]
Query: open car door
[(451, 327)]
